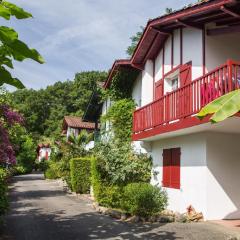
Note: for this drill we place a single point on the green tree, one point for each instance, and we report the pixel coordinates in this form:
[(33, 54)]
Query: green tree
[(11, 48), (44, 109), (134, 41)]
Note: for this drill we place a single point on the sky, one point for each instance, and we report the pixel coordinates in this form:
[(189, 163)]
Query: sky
[(80, 35)]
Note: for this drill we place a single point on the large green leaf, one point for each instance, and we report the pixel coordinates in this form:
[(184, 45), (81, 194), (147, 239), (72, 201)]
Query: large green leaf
[(6, 77), (4, 12), (223, 107), (20, 51), (7, 35), (16, 11)]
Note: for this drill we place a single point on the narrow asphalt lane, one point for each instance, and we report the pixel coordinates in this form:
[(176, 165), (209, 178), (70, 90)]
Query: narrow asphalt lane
[(40, 210)]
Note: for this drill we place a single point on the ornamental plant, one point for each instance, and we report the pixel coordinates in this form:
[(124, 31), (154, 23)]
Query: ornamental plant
[(11, 48), (143, 199), (8, 118)]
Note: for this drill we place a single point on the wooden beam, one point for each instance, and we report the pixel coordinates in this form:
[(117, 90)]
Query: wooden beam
[(230, 12), (159, 31), (223, 30), (186, 24), (137, 66)]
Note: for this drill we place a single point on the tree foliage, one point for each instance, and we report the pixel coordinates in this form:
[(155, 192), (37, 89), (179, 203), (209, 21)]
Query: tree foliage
[(222, 107), (11, 48), (134, 41), (44, 109)]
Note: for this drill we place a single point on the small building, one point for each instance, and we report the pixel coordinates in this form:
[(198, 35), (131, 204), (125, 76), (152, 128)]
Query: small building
[(43, 151), (74, 125), (185, 60)]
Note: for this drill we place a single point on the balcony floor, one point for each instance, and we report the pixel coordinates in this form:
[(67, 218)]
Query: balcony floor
[(189, 126)]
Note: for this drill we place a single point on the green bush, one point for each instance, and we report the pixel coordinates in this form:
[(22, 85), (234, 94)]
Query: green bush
[(42, 165), (143, 199), (120, 165), (80, 174), (20, 170), (53, 171), (3, 192), (105, 194)]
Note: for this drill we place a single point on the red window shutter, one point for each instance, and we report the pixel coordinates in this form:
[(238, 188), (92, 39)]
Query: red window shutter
[(159, 91), (185, 74), (166, 182), (175, 168), (46, 157)]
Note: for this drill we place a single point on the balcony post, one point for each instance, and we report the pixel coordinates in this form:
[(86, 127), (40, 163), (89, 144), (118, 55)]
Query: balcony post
[(230, 80)]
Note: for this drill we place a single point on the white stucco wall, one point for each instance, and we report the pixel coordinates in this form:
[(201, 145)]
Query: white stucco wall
[(72, 131), (223, 176), (147, 83), (193, 171), (220, 48), (158, 66), (42, 153), (176, 48), (209, 173), (168, 55), (192, 50), (137, 90)]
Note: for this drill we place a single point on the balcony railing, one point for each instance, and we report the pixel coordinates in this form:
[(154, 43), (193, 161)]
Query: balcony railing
[(188, 100)]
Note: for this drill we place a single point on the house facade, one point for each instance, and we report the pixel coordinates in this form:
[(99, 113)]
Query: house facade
[(43, 151), (185, 60)]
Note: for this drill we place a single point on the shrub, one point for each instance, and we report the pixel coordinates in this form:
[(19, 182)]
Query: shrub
[(120, 165), (3, 192), (105, 194), (143, 199), (20, 170), (42, 165), (53, 171), (80, 174)]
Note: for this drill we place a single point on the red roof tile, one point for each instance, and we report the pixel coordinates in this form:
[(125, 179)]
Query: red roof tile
[(76, 122)]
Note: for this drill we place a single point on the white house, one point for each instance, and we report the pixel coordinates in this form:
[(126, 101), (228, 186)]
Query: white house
[(43, 152), (185, 60)]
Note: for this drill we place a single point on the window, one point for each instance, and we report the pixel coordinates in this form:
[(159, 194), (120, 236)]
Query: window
[(171, 168), (172, 81)]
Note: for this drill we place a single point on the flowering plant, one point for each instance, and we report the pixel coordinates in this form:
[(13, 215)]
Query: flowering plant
[(8, 118)]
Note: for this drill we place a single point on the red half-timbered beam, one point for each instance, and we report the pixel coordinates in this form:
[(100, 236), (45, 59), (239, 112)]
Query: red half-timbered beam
[(186, 24), (230, 12), (223, 30)]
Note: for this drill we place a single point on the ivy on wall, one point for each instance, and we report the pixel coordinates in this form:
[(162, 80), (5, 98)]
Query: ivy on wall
[(120, 116), (122, 84)]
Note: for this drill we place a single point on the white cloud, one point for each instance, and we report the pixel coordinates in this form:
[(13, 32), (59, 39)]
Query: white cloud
[(77, 35)]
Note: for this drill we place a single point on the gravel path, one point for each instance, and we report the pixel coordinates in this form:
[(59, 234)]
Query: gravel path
[(40, 210)]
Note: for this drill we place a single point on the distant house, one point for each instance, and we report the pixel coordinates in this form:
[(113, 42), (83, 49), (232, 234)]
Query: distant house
[(185, 60), (43, 151), (73, 126)]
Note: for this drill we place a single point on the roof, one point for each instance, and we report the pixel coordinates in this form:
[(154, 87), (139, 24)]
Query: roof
[(76, 122), (220, 12)]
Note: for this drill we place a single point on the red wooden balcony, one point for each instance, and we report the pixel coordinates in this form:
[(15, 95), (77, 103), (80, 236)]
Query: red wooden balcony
[(185, 102)]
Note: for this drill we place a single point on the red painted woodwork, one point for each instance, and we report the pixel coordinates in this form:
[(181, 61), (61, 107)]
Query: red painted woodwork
[(171, 168), (172, 107), (167, 155), (46, 155), (159, 89), (185, 74)]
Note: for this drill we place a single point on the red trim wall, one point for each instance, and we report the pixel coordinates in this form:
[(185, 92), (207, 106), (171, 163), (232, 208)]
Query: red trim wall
[(204, 50), (172, 50), (181, 46)]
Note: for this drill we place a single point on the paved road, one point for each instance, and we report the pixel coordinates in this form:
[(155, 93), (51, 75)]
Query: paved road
[(40, 210)]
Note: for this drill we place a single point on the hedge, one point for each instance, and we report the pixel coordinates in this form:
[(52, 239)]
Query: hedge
[(3, 192), (80, 172), (52, 171)]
